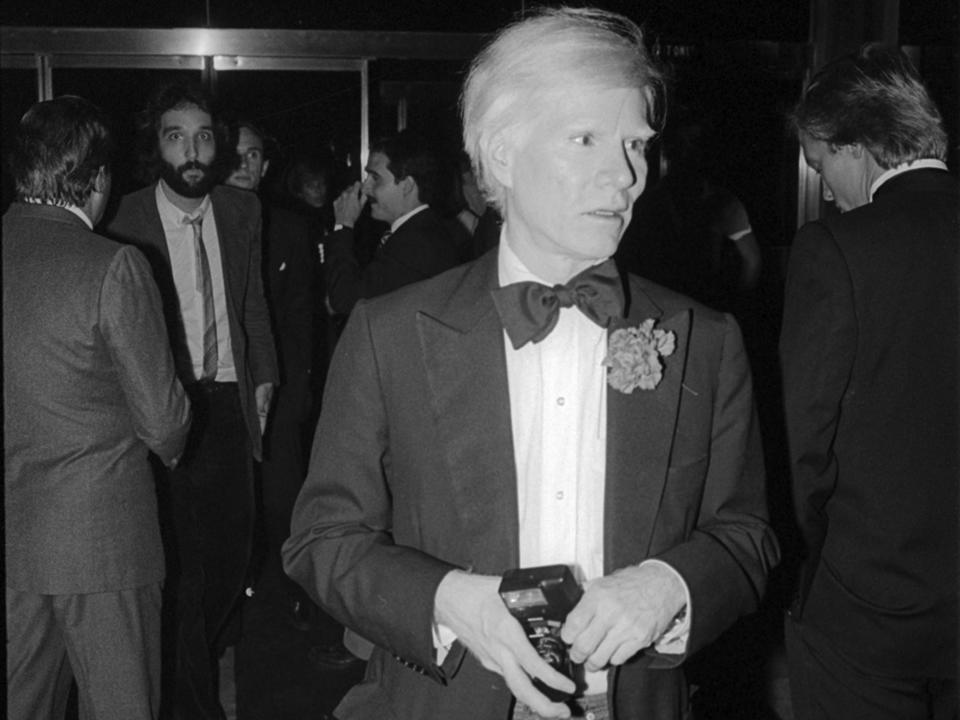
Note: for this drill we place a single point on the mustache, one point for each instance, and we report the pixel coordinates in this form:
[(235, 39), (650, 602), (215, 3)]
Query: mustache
[(192, 165)]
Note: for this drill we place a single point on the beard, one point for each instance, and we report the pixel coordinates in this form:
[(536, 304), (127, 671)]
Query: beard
[(174, 177)]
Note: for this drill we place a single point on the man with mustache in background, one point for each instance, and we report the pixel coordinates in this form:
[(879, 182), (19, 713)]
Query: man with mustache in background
[(203, 242), (402, 184)]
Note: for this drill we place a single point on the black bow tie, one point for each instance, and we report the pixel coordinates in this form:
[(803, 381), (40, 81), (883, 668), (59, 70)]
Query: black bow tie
[(529, 311)]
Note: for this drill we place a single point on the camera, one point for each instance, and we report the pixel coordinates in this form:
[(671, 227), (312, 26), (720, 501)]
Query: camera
[(540, 599)]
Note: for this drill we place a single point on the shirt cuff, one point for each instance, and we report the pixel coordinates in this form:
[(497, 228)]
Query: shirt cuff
[(675, 637), (740, 234), (443, 639)]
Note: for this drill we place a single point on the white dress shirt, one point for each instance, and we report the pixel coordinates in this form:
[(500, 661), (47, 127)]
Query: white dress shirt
[(558, 412), (558, 409), (395, 225), (179, 236)]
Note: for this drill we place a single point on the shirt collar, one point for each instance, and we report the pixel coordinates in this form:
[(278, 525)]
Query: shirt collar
[(899, 169), (403, 218), (71, 208), (80, 214), (171, 215)]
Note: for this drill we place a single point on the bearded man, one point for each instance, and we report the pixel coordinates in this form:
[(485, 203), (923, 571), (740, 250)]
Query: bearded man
[(203, 242)]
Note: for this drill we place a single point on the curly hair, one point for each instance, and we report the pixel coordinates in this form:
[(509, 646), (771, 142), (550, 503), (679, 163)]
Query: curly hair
[(175, 96)]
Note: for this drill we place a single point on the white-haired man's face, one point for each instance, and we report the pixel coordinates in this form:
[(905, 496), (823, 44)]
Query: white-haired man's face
[(571, 178)]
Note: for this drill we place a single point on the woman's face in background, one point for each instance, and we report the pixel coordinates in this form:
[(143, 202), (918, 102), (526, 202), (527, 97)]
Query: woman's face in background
[(313, 191)]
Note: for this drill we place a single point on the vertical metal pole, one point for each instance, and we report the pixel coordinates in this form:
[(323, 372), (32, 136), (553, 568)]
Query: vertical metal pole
[(208, 75), (364, 114), (402, 104), (44, 77)]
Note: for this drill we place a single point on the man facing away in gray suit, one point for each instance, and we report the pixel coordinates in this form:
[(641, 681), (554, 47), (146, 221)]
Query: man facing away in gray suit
[(536, 408), (203, 242), (89, 390)]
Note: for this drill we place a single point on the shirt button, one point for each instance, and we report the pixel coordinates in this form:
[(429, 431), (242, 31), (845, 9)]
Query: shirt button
[(560, 401), (590, 716), (560, 495)]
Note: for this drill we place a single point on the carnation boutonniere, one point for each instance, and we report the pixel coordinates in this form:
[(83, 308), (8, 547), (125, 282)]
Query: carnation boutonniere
[(635, 356)]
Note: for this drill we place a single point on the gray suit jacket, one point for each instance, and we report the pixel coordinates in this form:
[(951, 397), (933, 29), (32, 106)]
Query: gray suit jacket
[(237, 214), (89, 388), (413, 474)]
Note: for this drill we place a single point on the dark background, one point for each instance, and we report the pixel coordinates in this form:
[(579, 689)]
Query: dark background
[(921, 21), (720, 76)]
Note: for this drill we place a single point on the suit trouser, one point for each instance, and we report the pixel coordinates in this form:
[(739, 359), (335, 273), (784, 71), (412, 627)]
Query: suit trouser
[(109, 642), (211, 509), (826, 686), (282, 474)]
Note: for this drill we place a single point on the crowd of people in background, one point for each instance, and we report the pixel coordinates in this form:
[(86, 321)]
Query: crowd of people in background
[(202, 332)]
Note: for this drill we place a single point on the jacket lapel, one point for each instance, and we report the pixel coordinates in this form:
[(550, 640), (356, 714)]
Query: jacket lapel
[(463, 353), (640, 431), (232, 256), (150, 235)]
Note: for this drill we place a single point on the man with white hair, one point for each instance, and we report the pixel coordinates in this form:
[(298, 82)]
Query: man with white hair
[(533, 409)]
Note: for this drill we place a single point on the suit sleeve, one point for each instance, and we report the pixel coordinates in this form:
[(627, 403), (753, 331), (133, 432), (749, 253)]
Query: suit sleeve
[(817, 346), (728, 556), (341, 548), (132, 325), (262, 352)]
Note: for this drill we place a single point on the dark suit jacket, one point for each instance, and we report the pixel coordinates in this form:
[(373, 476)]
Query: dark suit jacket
[(289, 257), (89, 388), (869, 356), (421, 247), (237, 214), (413, 475)]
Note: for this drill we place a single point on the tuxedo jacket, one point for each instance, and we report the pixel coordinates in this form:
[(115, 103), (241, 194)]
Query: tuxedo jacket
[(237, 214), (89, 389), (869, 356), (413, 475), (422, 247)]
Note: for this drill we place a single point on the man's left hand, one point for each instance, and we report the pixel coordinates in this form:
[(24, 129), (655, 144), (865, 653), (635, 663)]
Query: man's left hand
[(264, 396), (621, 614)]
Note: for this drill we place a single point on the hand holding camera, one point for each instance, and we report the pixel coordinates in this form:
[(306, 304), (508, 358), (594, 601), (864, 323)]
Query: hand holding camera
[(540, 599), (470, 606)]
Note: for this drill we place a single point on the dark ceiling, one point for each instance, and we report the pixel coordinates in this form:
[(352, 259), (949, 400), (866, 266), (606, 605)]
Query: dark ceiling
[(922, 21), (755, 19)]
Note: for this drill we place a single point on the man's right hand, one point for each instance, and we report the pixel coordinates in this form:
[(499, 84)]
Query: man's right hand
[(471, 607), (347, 207)]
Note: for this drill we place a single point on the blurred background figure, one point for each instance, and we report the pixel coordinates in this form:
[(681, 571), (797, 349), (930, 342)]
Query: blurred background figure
[(479, 219), (689, 232), (308, 182), (289, 263)]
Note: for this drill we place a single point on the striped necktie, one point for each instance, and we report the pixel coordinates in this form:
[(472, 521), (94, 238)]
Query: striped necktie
[(205, 288)]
